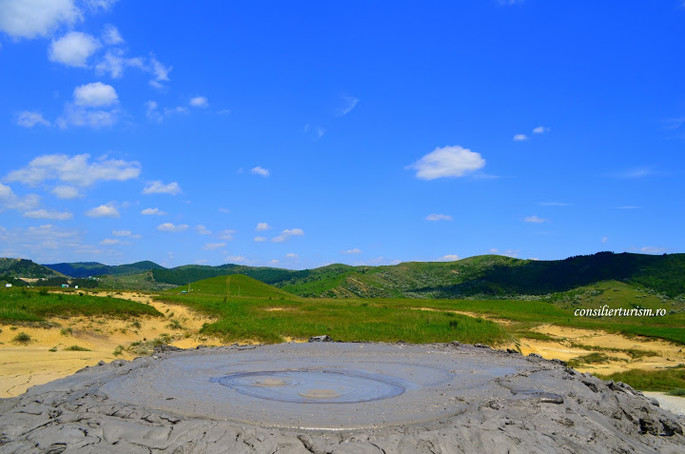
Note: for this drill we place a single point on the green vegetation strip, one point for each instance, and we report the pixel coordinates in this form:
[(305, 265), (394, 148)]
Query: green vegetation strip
[(670, 380), (248, 309), (27, 305)]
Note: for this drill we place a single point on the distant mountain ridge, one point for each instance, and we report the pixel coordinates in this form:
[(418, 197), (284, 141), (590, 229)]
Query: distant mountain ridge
[(86, 269), (487, 275)]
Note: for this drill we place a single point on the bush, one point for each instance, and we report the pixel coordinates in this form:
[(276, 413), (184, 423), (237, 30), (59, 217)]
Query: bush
[(22, 338)]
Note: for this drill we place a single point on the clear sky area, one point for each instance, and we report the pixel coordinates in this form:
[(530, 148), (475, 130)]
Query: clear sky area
[(298, 134)]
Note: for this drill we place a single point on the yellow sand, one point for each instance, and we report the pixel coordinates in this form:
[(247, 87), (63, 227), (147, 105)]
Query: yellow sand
[(22, 366)]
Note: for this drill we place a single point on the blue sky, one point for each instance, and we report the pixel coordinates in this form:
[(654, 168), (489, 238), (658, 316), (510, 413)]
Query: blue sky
[(296, 134)]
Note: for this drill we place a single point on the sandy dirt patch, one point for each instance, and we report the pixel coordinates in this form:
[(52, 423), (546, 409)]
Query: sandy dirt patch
[(47, 356)]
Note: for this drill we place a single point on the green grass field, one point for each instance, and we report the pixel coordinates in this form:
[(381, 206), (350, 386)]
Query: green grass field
[(249, 309), (18, 305)]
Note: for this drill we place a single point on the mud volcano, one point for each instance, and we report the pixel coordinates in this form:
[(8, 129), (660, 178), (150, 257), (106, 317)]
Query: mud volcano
[(334, 397)]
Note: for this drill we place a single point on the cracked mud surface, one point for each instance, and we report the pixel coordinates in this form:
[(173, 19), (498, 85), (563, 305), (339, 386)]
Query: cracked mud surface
[(336, 398)]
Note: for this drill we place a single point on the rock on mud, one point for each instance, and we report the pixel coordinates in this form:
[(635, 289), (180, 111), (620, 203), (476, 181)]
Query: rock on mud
[(336, 398)]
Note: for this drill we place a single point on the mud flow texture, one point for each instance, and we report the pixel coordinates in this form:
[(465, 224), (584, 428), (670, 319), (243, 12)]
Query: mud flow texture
[(336, 387)]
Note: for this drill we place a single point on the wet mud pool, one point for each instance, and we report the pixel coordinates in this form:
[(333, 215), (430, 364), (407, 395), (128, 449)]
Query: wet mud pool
[(335, 398)]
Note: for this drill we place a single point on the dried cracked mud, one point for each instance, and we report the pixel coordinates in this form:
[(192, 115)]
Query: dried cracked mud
[(336, 398)]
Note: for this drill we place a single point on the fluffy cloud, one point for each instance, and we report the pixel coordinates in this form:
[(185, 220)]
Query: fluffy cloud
[(292, 256), (213, 246), (287, 233), (199, 101), (103, 211), (534, 219), (260, 239), (234, 258), (448, 258), (111, 36), (96, 94), (66, 192), (169, 227), (540, 130), (115, 63), (73, 49), (520, 137), (352, 251), (111, 242), (157, 187), (32, 18), (92, 118), (227, 234), (653, 250), (46, 243), (202, 230), (49, 214), (448, 162), (9, 200), (29, 119), (259, 171), (152, 212), (262, 226), (125, 234), (438, 217), (77, 170)]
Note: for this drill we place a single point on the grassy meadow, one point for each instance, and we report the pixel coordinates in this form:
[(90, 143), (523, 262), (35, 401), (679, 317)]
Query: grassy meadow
[(20, 305)]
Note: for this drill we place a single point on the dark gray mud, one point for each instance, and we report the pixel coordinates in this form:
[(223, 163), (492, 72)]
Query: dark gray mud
[(336, 398)]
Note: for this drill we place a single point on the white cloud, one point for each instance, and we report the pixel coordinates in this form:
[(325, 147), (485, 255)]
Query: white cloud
[(103, 211), (9, 200), (260, 239), (352, 251), (99, 4), (349, 104), (111, 242), (605, 239), (66, 192), (160, 72), (46, 243), (111, 36), (83, 116), (213, 246), (234, 258), (227, 234), (287, 233), (73, 49), (653, 250), (49, 214), (520, 137), (448, 162), (152, 212), (628, 207), (157, 187), (262, 226), (29, 119), (274, 261), (125, 234), (292, 256), (259, 171), (202, 230), (438, 217), (199, 101), (534, 219), (77, 170), (224, 210), (540, 130), (115, 63), (448, 258), (95, 94), (169, 227), (32, 18)]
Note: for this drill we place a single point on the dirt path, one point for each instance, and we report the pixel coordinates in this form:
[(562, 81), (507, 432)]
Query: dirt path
[(46, 357)]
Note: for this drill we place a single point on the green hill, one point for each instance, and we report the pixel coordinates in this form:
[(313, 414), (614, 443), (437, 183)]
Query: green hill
[(236, 285), (18, 268)]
